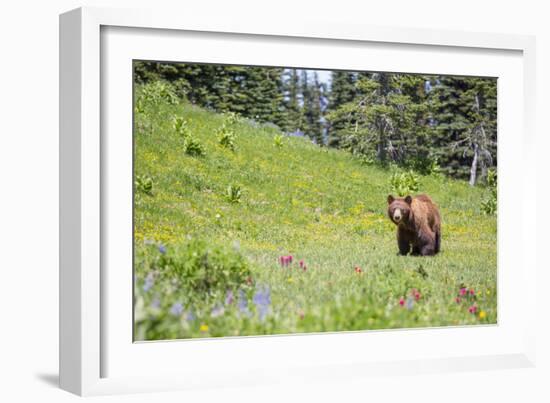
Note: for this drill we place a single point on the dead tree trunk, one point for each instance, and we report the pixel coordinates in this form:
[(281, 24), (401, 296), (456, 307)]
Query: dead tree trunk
[(473, 168), (478, 140), (381, 146)]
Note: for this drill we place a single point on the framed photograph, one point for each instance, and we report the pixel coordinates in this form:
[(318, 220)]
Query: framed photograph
[(242, 203)]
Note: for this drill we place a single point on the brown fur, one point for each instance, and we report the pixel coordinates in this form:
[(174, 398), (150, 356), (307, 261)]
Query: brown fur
[(420, 225)]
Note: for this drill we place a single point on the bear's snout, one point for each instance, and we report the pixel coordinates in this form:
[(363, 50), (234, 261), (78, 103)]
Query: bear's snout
[(397, 216)]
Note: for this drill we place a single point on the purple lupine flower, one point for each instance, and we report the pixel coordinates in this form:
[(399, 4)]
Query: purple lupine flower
[(190, 316), (229, 298), (242, 303), (162, 249), (217, 311), (149, 282), (262, 296), (155, 303), (262, 300), (176, 309), (410, 303)]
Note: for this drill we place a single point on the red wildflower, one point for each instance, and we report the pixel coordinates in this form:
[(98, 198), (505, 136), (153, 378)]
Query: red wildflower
[(457, 299), (463, 291), (416, 294), (358, 270), (401, 301), (472, 309), (285, 260), (472, 292)]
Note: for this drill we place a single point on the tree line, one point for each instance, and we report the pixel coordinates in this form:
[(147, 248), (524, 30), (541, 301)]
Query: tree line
[(422, 122)]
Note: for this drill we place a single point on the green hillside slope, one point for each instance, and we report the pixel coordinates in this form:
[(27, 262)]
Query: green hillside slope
[(273, 197)]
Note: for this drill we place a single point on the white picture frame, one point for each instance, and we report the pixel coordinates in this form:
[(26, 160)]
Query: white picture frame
[(91, 343)]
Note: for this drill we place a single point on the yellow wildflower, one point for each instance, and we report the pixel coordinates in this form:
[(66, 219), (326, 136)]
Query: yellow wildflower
[(482, 314), (203, 328), (290, 280)]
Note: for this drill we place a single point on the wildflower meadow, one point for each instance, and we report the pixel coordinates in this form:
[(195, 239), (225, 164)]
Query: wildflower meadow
[(241, 229)]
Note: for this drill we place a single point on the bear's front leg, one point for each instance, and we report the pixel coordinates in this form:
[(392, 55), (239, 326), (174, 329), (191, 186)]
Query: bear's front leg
[(403, 242)]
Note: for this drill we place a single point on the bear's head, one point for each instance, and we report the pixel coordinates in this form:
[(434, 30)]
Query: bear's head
[(399, 209)]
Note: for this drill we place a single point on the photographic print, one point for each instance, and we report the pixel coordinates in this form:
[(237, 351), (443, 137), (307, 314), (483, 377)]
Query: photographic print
[(278, 200)]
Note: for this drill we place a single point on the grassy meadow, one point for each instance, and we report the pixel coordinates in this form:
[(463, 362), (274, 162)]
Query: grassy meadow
[(214, 231)]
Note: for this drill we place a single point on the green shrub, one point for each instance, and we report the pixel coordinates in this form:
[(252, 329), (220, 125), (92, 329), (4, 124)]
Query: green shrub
[(425, 165), (430, 166), (365, 159), (227, 137), (489, 203), (230, 118), (155, 93), (404, 183), (140, 105), (233, 194), (203, 272), (491, 178), (193, 147), (434, 168), (181, 126), (144, 184), (278, 140)]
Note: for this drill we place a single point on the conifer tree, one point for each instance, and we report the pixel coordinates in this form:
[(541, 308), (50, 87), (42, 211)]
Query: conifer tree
[(464, 112), (316, 113), (311, 106), (386, 120), (293, 108), (262, 94), (307, 104), (343, 90)]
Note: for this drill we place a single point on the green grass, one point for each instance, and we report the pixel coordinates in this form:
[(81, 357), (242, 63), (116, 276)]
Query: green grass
[(319, 205)]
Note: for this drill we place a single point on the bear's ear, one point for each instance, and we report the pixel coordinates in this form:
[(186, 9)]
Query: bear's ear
[(408, 199), (390, 199)]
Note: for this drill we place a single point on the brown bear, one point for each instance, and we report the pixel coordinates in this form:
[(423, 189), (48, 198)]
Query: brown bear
[(418, 224)]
